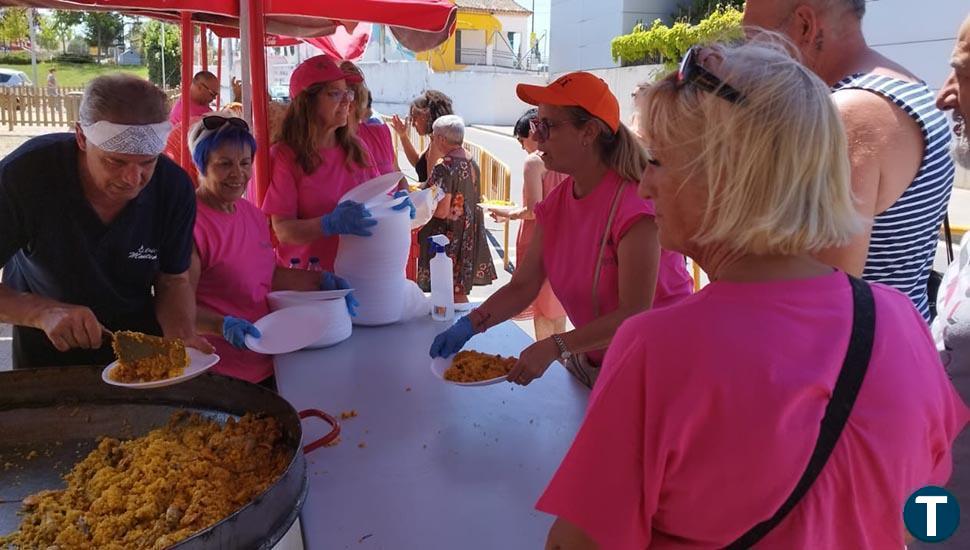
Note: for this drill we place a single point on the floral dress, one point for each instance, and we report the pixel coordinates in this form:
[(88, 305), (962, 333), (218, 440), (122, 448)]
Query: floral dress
[(458, 176)]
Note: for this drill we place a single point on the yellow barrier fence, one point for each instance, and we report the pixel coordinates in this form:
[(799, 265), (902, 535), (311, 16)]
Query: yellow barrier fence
[(496, 179)]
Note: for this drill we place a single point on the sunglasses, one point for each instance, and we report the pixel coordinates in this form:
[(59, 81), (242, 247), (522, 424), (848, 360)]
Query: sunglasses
[(341, 95), (691, 72), (208, 89), (540, 128), (214, 122)]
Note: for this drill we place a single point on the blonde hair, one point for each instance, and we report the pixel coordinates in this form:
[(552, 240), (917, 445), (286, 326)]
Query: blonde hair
[(301, 133), (776, 164), (619, 150)]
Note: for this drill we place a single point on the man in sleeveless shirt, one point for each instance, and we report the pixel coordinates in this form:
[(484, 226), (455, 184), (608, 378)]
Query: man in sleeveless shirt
[(899, 141)]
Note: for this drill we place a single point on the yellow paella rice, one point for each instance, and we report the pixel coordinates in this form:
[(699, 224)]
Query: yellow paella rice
[(156, 490), (474, 366), (169, 364)]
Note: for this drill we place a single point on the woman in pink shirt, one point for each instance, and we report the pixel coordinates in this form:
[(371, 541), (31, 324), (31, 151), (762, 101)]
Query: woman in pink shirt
[(707, 412), (233, 265), (375, 137), (546, 312), (595, 239), (318, 159)]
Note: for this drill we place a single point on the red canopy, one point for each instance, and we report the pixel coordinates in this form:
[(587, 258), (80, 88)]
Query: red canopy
[(418, 24)]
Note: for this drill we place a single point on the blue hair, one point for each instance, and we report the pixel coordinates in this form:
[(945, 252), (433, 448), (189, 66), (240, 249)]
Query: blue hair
[(232, 135)]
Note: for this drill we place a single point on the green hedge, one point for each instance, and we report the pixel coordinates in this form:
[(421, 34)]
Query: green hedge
[(18, 58), (668, 44), (73, 58)]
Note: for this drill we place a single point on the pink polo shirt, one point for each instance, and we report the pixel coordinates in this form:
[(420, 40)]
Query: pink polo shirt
[(195, 110), (237, 272), (296, 194), (572, 230), (706, 412), (377, 139)]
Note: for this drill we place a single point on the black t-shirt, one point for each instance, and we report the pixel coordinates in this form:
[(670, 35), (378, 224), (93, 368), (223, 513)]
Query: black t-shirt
[(53, 244)]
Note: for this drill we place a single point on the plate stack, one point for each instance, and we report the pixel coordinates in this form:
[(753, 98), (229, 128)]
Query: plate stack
[(329, 319), (374, 265)]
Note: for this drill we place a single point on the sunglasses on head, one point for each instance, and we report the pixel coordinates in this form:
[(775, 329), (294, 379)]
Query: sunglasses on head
[(214, 122), (691, 72)]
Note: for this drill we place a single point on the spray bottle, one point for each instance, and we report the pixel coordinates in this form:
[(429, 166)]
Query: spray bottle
[(442, 280)]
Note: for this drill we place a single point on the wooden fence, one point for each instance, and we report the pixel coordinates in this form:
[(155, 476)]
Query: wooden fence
[(29, 106), (496, 183)]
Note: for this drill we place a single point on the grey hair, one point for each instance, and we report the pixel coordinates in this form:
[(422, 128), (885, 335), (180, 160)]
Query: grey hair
[(123, 99), (450, 127)]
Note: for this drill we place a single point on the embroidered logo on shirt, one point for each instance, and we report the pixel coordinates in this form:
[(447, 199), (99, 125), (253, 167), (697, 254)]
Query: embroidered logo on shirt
[(143, 253)]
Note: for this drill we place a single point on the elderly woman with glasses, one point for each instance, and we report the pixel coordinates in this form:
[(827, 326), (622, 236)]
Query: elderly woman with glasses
[(318, 159), (595, 239), (781, 373), (233, 266), (457, 216)]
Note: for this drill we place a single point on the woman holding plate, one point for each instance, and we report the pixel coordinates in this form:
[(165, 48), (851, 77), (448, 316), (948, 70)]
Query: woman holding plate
[(233, 265)]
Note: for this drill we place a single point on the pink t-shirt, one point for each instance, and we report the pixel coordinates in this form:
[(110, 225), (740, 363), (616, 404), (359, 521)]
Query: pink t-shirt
[(572, 230), (295, 194), (237, 272), (377, 139), (195, 110), (706, 412)]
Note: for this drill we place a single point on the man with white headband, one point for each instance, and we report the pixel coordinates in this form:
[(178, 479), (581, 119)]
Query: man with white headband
[(96, 231)]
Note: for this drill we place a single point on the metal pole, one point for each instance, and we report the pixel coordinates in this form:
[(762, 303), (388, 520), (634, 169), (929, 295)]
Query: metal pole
[(383, 44), (204, 47), (164, 86), (219, 72), (187, 58), (32, 14), (257, 63), (244, 53)]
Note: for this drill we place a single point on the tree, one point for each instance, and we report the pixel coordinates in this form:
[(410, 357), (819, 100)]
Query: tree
[(104, 29), (153, 52), (694, 12), (13, 25), (65, 23), (47, 36)]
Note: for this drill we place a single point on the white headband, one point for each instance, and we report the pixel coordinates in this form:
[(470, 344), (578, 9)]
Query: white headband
[(146, 139)]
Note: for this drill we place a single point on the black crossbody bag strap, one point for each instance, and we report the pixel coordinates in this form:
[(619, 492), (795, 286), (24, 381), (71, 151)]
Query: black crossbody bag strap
[(836, 412)]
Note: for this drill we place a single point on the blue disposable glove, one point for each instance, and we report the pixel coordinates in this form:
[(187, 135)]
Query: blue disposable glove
[(329, 281), (452, 340), (349, 218), (406, 203), (234, 330)]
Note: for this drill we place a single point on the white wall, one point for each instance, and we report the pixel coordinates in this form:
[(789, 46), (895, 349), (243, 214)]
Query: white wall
[(479, 97), (622, 82), (581, 30), (914, 35), (519, 24)]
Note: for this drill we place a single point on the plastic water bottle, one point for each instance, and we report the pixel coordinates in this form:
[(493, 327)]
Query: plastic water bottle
[(442, 281), (294, 263), (314, 264)]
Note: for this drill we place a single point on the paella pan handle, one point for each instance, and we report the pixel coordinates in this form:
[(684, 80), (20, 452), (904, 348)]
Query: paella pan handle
[(329, 438)]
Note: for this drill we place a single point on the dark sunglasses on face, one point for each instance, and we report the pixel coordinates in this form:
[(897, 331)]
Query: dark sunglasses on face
[(540, 128), (691, 72), (214, 122)]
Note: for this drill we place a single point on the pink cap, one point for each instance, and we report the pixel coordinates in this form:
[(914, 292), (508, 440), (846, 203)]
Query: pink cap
[(319, 68)]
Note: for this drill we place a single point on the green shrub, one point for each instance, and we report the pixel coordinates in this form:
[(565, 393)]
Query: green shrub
[(15, 58), (73, 58), (668, 44)]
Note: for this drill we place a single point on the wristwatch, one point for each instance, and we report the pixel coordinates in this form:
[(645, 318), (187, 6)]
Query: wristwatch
[(564, 353)]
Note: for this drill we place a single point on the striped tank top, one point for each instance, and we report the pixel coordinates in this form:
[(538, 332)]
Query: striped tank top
[(904, 237)]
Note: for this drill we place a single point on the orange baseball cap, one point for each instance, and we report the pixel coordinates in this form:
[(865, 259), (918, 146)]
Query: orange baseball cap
[(579, 89)]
